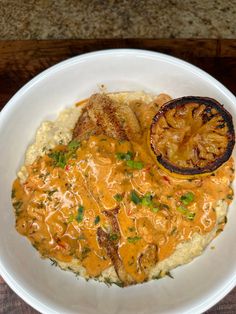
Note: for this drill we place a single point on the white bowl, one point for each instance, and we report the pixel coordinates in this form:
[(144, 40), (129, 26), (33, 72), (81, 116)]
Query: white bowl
[(198, 285)]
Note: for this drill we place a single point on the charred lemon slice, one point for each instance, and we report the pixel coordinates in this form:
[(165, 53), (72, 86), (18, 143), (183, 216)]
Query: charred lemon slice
[(192, 135)]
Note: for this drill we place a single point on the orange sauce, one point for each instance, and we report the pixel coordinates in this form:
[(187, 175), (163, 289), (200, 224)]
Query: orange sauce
[(59, 209)]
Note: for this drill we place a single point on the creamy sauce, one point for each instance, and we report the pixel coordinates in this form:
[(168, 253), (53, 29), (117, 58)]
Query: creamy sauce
[(59, 209)]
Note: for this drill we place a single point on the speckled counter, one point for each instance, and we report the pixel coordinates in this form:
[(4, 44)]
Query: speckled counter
[(64, 19)]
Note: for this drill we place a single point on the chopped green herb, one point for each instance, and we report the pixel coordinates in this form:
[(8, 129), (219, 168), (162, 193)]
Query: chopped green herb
[(147, 199), (164, 206), (107, 281), (169, 275), (74, 145), (158, 206), (58, 158), (17, 205), (135, 198), (118, 283), (50, 193), (71, 218), (124, 156), (133, 239), (118, 197), (173, 231), (229, 196), (96, 220), (80, 215), (190, 216), (187, 198), (156, 277), (54, 263), (131, 229), (81, 237), (134, 164), (13, 193), (113, 236), (182, 209), (85, 251), (155, 209)]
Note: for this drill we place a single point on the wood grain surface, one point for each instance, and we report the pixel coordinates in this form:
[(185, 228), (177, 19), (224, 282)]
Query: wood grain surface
[(20, 61)]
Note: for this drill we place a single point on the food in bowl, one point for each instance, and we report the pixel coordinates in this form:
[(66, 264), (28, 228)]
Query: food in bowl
[(92, 198)]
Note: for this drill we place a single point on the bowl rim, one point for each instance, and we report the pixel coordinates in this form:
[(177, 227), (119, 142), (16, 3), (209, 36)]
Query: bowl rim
[(122, 52)]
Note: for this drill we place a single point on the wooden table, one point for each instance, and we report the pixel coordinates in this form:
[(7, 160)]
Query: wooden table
[(22, 60)]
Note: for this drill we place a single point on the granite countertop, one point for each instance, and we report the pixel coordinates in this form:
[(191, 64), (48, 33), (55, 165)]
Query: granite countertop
[(64, 19)]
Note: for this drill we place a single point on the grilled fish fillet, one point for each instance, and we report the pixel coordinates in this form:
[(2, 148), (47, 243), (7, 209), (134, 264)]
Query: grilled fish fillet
[(103, 115)]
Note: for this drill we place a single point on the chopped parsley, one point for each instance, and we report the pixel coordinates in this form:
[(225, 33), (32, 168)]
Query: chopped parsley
[(80, 214)]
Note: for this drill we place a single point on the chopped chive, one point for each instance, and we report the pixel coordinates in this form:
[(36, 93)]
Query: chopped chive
[(187, 198), (113, 236), (71, 218), (147, 199), (190, 216), (135, 164), (182, 209), (58, 158), (124, 156), (80, 215), (50, 193), (131, 229), (133, 239), (155, 209), (118, 197), (135, 198), (17, 205), (169, 275), (73, 145), (96, 220), (13, 193)]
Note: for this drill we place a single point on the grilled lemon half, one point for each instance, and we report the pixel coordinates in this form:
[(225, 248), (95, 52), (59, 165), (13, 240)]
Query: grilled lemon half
[(192, 136)]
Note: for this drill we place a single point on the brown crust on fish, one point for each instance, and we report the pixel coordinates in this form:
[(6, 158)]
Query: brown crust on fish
[(85, 127), (110, 244), (103, 116)]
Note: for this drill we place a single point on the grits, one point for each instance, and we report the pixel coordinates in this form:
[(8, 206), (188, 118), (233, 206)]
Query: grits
[(50, 134)]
